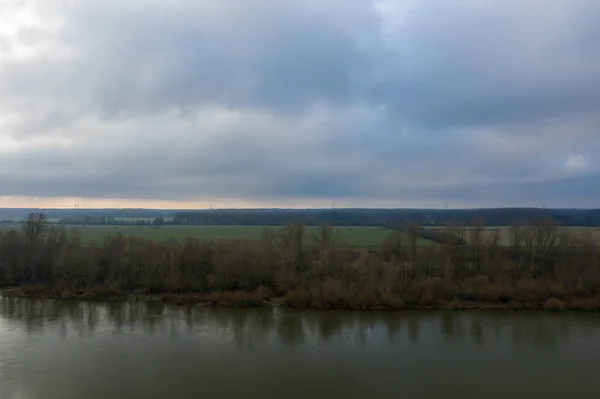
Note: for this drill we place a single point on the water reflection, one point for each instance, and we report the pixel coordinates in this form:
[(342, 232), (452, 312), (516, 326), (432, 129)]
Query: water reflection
[(70, 349), (251, 328)]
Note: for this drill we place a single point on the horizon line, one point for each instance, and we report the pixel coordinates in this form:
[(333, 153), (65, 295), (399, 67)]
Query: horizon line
[(290, 208)]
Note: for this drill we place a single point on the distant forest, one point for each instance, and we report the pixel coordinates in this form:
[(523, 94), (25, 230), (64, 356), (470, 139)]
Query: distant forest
[(379, 217), (312, 217)]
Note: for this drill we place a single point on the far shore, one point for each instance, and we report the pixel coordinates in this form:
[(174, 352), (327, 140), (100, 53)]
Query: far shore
[(258, 299)]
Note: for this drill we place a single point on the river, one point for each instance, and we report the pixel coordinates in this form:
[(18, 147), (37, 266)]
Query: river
[(69, 349)]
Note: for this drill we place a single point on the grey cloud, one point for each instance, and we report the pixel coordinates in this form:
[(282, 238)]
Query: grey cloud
[(496, 63), (465, 101), (258, 53)]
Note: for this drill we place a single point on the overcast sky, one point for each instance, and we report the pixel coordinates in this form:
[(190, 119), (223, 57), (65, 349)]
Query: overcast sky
[(414, 103)]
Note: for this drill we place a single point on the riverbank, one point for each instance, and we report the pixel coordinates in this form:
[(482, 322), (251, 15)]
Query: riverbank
[(263, 297), (231, 299)]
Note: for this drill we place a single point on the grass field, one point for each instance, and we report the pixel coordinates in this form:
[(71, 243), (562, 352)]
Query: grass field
[(353, 236), (504, 232), (359, 236)]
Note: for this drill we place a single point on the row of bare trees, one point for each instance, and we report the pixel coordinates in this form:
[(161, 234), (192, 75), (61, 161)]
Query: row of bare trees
[(537, 262)]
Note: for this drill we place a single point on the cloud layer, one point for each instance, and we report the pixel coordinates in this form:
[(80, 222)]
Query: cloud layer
[(469, 102)]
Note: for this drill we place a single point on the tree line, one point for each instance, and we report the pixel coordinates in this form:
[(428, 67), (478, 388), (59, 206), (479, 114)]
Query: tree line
[(378, 217), (111, 221), (314, 217), (544, 265)]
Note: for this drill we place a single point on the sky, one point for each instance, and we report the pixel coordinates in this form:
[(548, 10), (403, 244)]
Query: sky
[(299, 103)]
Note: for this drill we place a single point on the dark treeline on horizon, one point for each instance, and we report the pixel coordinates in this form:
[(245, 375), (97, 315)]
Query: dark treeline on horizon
[(314, 217), (544, 265), (378, 217)]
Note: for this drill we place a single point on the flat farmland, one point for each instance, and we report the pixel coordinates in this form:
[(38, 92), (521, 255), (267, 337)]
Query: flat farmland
[(504, 232), (359, 236)]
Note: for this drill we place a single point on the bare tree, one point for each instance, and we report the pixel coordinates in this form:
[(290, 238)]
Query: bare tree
[(392, 247), (291, 238), (517, 239), (475, 237), (325, 238), (413, 242), (34, 228), (546, 240)]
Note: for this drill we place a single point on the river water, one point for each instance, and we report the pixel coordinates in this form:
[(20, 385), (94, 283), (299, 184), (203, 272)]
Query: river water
[(69, 349)]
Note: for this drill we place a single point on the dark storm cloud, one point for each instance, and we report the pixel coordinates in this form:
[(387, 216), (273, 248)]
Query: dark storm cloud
[(467, 101)]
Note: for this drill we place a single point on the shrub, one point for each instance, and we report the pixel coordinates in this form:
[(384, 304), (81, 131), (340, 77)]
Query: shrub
[(554, 304)]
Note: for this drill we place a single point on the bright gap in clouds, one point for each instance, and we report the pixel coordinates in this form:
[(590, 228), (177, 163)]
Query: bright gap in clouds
[(115, 203)]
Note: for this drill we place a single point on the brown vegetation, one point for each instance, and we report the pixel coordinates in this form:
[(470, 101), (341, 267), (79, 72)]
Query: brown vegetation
[(554, 304), (544, 267)]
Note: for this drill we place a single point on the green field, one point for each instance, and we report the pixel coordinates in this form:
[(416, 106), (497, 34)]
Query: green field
[(504, 232), (358, 236), (353, 236)]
